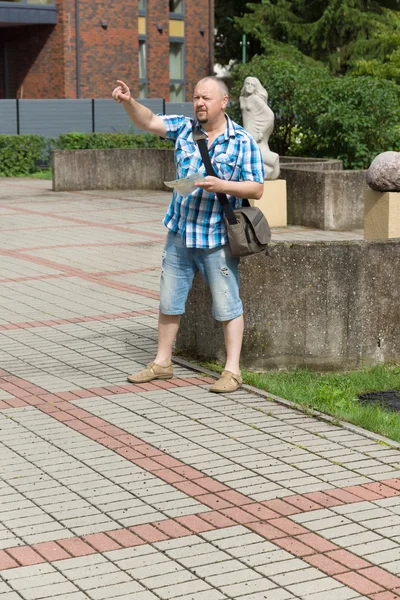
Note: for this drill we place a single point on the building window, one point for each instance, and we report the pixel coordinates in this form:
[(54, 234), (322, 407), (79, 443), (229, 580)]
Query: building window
[(176, 6), (142, 5), (176, 92), (142, 69), (9, 66), (176, 72)]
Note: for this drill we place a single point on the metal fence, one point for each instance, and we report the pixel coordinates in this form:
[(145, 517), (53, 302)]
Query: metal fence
[(54, 117)]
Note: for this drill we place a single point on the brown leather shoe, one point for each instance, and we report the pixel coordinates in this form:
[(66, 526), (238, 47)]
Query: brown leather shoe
[(152, 371), (228, 382)]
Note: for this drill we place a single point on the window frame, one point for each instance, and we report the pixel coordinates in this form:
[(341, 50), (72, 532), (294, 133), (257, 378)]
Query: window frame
[(177, 15), (143, 80), (181, 81)]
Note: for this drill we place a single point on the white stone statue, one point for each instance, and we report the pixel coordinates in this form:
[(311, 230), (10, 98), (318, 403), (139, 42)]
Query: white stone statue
[(258, 119)]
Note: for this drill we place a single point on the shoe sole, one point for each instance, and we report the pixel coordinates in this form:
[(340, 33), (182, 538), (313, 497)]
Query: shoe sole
[(225, 391), (163, 377)]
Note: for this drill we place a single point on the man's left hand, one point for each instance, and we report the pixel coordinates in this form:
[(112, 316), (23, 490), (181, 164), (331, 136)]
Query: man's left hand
[(211, 184)]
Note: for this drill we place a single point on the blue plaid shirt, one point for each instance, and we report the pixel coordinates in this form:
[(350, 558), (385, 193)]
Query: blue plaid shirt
[(234, 154)]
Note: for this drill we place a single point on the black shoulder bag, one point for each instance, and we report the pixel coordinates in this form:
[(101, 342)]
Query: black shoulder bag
[(247, 228)]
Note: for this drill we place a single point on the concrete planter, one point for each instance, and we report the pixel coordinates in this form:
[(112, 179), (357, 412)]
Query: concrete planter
[(321, 195), (322, 305), (112, 169)]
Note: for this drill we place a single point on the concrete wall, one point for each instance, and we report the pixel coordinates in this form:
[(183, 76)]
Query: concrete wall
[(116, 168), (316, 164), (319, 195), (321, 305)]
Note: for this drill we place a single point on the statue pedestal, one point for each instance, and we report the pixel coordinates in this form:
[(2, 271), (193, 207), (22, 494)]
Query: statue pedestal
[(273, 202), (381, 215)]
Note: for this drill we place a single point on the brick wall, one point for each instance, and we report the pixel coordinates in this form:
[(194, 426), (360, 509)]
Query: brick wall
[(40, 63), (198, 63), (108, 53), (158, 49), (47, 58)]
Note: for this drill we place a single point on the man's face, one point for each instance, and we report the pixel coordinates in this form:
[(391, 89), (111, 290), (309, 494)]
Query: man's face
[(209, 101)]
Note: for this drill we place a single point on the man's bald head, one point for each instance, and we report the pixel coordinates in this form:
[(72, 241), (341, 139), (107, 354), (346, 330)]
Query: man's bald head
[(218, 82)]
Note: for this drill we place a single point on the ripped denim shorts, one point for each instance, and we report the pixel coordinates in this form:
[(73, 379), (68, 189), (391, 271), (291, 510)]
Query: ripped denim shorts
[(217, 265)]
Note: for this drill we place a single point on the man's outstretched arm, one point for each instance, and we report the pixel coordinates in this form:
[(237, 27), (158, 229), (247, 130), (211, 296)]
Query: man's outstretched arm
[(142, 116)]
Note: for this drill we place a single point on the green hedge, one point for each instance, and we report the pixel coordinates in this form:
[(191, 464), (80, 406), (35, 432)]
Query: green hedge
[(26, 154), (22, 154), (88, 141)]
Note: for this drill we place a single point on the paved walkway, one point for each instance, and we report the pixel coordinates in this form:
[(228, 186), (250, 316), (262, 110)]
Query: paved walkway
[(159, 491)]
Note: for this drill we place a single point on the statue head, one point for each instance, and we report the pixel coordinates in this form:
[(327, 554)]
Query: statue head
[(252, 85)]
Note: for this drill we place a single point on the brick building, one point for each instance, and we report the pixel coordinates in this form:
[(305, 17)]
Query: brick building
[(78, 48)]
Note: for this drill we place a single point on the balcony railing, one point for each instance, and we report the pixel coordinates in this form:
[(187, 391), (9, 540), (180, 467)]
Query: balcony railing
[(25, 12), (21, 3)]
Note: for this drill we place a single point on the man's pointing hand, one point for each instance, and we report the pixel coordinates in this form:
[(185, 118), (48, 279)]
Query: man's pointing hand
[(122, 92)]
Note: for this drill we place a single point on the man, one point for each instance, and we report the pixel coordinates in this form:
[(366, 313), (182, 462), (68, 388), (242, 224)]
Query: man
[(197, 239)]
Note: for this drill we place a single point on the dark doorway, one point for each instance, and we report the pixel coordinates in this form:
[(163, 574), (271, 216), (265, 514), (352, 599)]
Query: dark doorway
[(8, 60)]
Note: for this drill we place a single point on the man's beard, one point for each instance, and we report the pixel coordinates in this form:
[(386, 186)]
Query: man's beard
[(203, 119)]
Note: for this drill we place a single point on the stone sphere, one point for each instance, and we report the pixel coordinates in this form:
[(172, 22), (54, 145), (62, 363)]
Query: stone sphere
[(384, 172)]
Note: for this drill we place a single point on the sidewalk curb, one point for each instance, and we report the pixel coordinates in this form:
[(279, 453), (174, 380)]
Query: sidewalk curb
[(289, 404)]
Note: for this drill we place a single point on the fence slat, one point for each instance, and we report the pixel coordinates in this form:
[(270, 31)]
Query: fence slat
[(8, 117), (179, 108), (110, 117), (53, 117)]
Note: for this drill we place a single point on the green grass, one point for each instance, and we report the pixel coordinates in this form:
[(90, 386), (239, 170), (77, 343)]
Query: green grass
[(335, 393), (42, 174), (47, 174)]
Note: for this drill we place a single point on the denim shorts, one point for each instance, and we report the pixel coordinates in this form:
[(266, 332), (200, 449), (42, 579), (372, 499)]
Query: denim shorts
[(217, 265)]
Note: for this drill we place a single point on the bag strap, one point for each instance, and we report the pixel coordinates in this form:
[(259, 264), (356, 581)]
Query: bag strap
[(200, 138)]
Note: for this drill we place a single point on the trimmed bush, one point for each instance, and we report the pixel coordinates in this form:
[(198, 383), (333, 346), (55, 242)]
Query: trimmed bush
[(22, 154), (350, 118), (89, 141)]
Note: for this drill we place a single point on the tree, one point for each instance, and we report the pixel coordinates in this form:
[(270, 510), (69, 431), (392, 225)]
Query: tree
[(228, 37), (340, 33)]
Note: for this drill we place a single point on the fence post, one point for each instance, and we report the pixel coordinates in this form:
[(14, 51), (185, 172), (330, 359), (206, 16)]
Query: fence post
[(18, 124), (93, 117)]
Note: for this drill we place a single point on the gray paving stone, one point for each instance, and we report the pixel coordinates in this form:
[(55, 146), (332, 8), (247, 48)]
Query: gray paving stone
[(325, 584), (38, 593), (343, 593), (240, 589), (103, 579), (275, 567), (275, 594), (208, 558), (302, 575), (208, 594), (113, 591), (179, 589)]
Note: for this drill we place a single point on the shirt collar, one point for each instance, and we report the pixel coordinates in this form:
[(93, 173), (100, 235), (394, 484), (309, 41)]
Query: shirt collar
[(229, 129)]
